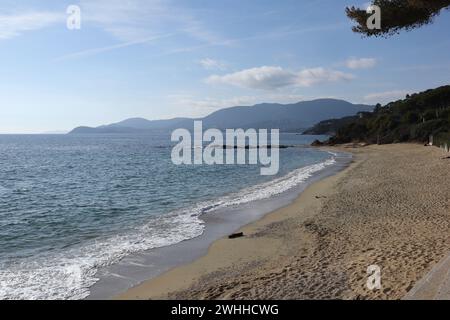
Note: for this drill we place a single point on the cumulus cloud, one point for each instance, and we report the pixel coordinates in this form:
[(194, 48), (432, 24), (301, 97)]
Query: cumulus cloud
[(361, 63), (386, 96), (271, 78), (13, 25), (211, 64), (256, 78)]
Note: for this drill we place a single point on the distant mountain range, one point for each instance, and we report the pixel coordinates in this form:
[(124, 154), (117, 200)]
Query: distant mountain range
[(295, 117)]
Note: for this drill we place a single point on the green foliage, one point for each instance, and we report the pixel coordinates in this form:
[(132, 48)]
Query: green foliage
[(397, 15), (330, 127), (412, 119), (441, 139)]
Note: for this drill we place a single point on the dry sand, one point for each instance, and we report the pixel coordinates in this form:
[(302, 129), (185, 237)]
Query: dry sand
[(391, 208)]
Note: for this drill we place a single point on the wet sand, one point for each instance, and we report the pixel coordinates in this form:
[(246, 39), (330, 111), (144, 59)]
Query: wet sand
[(390, 208)]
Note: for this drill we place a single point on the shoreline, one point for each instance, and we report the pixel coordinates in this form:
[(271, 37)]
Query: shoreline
[(139, 267), (389, 208), (175, 278)]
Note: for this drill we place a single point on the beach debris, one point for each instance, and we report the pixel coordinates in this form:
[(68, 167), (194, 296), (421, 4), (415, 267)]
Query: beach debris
[(236, 235)]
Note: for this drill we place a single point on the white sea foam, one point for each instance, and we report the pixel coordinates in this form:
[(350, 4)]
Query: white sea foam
[(69, 274)]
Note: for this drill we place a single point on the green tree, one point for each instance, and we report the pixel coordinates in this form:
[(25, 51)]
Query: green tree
[(397, 15), (377, 108)]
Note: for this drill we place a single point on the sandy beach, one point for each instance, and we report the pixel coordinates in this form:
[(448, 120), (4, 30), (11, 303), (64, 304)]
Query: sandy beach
[(390, 207)]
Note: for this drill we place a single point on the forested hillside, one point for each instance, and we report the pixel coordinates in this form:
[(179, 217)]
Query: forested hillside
[(414, 118)]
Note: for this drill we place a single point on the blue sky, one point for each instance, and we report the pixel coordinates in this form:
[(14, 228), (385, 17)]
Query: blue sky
[(161, 59)]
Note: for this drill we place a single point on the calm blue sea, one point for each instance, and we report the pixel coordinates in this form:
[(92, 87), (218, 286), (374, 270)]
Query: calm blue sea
[(71, 204)]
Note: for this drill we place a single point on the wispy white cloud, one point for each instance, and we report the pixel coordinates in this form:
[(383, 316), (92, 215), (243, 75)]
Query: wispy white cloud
[(91, 52), (212, 64), (131, 22), (386, 96), (14, 24), (135, 22), (136, 19), (361, 63), (271, 78)]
